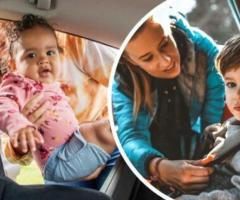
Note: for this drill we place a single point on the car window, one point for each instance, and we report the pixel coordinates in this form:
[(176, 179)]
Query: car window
[(86, 67), (212, 16)]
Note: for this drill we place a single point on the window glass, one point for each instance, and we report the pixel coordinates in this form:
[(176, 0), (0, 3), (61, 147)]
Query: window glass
[(212, 16), (85, 72)]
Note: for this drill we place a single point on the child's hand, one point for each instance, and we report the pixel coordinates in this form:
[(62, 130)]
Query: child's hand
[(26, 139), (210, 134), (215, 130)]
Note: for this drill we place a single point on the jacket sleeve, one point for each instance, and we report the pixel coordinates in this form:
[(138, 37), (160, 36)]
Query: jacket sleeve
[(133, 134), (214, 99), (12, 93)]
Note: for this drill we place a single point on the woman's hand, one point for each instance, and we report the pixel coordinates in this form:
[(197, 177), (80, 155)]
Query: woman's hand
[(34, 110), (186, 176)]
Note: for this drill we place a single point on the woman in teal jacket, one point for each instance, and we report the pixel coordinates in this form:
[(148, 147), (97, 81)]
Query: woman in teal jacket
[(166, 91)]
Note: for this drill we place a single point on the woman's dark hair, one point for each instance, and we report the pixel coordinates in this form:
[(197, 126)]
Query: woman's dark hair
[(27, 22)]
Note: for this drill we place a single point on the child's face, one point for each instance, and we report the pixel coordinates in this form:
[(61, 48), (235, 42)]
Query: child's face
[(36, 55), (232, 88)]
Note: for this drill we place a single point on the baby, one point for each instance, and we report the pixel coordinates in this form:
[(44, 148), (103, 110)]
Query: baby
[(55, 141), (228, 62)]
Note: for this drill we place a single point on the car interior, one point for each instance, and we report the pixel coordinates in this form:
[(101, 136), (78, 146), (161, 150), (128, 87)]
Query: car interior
[(107, 22), (91, 20)]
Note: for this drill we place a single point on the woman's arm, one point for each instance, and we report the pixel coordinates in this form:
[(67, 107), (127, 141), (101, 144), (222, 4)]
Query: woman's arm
[(134, 136)]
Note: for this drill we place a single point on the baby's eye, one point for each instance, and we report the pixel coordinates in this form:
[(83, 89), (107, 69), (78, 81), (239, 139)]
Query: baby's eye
[(31, 55), (51, 53), (231, 84)]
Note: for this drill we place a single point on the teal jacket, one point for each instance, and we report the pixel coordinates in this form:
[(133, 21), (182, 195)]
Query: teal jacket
[(206, 107)]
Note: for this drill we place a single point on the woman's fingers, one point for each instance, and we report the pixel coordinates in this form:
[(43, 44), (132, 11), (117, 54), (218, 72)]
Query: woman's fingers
[(37, 115), (202, 162), (191, 187), (194, 183), (201, 171), (29, 140), (195, 188), (32, 103), (184, 175), (199, 180)]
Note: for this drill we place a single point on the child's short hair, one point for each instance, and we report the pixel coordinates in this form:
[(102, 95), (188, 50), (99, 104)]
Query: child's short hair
[(229, 56), (27, 22)]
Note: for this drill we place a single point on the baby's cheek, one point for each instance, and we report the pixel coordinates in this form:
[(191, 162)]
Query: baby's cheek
[(237, 117), (229, 99), (32, 73)]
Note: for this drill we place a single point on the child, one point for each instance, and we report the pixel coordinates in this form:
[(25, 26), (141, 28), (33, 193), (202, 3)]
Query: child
[(228, 62), (57, 145)]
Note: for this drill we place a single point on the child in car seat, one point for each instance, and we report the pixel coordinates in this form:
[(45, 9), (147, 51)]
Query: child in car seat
[(55, 139), (226, 185)]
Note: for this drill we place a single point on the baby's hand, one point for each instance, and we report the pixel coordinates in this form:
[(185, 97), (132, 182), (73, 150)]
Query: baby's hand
[(27, 139)]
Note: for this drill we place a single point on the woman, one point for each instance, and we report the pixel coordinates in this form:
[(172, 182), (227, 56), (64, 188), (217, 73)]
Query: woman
[(172, 93)]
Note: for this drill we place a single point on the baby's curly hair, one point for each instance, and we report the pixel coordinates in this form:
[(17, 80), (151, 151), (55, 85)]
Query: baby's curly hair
[(27, 22)]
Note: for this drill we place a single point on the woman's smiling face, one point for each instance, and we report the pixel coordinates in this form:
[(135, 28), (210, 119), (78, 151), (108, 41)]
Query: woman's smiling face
[(155, 52)]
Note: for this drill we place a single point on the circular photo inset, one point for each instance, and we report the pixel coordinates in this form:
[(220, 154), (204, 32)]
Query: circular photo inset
[(167, 100)]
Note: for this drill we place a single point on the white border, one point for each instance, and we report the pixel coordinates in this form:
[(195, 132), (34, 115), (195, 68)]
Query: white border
[(124, 44)]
